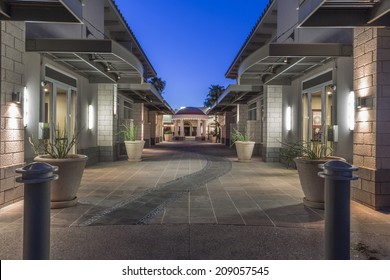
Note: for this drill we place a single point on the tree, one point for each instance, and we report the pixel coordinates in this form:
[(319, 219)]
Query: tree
[(215, 91), (158, 83)]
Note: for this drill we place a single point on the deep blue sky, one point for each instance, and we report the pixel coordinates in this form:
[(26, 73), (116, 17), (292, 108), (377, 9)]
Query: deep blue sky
[(191, 43)]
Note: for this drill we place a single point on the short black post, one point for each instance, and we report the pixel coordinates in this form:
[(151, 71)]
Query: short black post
[(37, 179), (338, 175)]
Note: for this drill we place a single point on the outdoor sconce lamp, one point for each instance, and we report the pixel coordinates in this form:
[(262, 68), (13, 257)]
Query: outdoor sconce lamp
[(25, 106), (90, 117), (288, 118), (16, 97), (351, 111), (363, 102)]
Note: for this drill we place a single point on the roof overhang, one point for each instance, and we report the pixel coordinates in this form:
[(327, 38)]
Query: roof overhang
[(117, 28), (263, 32), (145, 93), (279, 64), (233, 95), (66, 11), (346, 13), (101, 61)]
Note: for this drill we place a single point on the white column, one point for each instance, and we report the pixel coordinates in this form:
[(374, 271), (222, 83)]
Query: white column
[(198, 129), (176, 128), (182, 128)]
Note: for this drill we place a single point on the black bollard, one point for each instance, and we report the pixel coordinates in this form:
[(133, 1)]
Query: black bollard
[(338, 175), (37, 179)]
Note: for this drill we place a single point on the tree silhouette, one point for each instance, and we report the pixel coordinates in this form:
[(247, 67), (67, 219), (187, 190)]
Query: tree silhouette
[(158, 83), (215, 91)]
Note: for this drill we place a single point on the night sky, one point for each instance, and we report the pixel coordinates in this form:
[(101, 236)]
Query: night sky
[(191, 43)]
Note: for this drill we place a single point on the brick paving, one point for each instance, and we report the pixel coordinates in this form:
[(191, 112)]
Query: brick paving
[(190, 183)]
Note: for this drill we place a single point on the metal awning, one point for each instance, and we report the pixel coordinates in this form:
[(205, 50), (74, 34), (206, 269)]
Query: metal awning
[(345, 13), (101, 61), (233, 95), (279, 64), (263, 32), (145, 93), (117, 28), (68, 11)]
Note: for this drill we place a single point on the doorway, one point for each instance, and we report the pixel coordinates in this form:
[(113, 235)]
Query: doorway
[(318, 115), (59, 109)]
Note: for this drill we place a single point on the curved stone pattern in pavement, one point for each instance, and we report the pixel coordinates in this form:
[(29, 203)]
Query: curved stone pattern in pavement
[(141, 208)]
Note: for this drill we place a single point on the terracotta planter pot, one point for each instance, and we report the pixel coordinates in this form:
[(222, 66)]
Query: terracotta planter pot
[(134, 149), (168, 137), (70, 171), (244, 150), (313, 186)]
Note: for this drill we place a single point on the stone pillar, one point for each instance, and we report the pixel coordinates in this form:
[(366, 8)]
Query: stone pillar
[(153, 127), (182, 128), (226, 132), (138, 117), (176, 128), (105, 117), (371, 148), (159, 128), (272, 133), (198, 130), (242, 117), (11, 114)]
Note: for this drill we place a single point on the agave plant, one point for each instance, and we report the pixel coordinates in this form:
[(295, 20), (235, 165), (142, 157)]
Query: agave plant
[(58, 146), (239, 136), (129, 131), (313, 150)]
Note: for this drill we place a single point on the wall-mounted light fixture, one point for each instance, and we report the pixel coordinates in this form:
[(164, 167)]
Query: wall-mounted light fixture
[(16, 97), (25, 107), (364, 102), (288, 118), (115, 101), (351, 111), (90, 117)]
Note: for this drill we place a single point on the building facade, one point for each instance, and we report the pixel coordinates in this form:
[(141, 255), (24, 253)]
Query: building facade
[(83, 71), (303, 74)]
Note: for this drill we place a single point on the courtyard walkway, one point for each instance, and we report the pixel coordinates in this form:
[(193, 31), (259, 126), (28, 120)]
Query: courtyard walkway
[(191, 200)]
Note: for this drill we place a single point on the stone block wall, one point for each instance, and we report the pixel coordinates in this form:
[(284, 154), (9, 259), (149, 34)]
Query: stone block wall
[(272, 133), (242, 117), (371, 145), (11, 114), (106, 122), (253, 128)]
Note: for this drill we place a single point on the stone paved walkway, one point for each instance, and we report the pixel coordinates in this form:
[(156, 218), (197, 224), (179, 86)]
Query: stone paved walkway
[(194, 187)]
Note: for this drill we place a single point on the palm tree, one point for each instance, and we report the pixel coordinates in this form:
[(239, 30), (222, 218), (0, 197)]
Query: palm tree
[(215, 91), (158, 83)]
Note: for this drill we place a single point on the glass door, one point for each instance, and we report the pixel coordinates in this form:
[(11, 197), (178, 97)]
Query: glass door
[(60, 109), (317, 115)]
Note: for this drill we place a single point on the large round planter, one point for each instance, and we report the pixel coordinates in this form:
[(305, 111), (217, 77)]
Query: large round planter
[(70, 171), (313, 186), (244, 150), (168, 137), (134, 150)]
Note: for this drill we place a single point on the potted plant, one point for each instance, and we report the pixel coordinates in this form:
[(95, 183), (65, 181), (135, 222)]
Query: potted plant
[(168, 135), (244, 145), (56, 151), (133, 147), (310, 156)]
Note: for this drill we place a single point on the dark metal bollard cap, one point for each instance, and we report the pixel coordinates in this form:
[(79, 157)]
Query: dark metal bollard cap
[(338, 170), (37, 172)]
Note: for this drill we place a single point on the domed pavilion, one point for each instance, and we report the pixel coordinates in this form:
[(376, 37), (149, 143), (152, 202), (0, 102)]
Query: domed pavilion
[(190, 123)]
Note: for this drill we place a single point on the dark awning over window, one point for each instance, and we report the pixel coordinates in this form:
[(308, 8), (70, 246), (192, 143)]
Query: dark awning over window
[(145, 93), (41, 11), (280, 64), (346, 13), (233, 95), (101, 61)]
